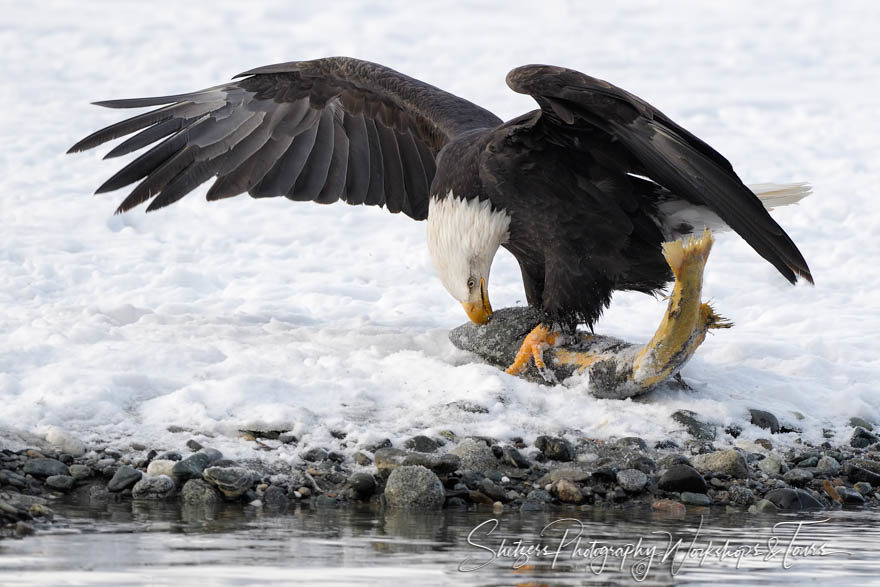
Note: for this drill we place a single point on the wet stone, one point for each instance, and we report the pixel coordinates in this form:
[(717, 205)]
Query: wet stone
[(315, 455), (421, 443), (362, 485), (193, 445), (287, 438), (414, 488), (362, 459), (642, 463), (728, 462), (231, 481), (773, 464), (274, 496), (764, 420), (793, 499), (682, 478), (45, 467), (632, 480), (862, 438), (213, 454), (199, 492), (191, 467), (513, 457), (798, 477), (568, 492), (857, 422), (850, 497), (764, 443), (384, 443), (632, 442), (491, 489), (764, 506), (863, 488), (555, 449), (124, 478), (669, 507), (700, 499), (170, 455), (159, 487), (695, 427), (856, 473), (160, 467), (60, 482), (740, 495), (475, 455)]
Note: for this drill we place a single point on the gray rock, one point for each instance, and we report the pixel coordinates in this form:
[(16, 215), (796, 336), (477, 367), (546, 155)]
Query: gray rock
[(475, 456), (468, 406), (861, 438), (873, 466), (642, 463), (160, 487), (80, 472), (384, 443), (161, 467), (362, 485), (793, 499), (773, 464), (850, 496), (123, 478), (315, 455), (700, 499), (362, 459), (857, 422), (421, 443), (539, 495), (60, 482), (764, 443), (863, 487), (740, 495), (764, 420), (511, 456), (855, 473), (170, 455), (199, 492), (491, 489), (682, 478), (828, 466), (633, 442), (213, 454), (274, 496), (568, 491), (632, 480), (729, 462), (798, 477), (44, 467), (695, 427), (764, 506), (231, 481), (574, 472), (193, 445), (388, 459), (191, 467), (414, 488), (555, 449), (287, 438)]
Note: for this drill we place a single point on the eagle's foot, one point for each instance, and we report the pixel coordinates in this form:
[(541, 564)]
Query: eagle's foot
[(533, 347)]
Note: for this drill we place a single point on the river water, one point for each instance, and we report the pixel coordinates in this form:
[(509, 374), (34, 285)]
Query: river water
[(160, 544)]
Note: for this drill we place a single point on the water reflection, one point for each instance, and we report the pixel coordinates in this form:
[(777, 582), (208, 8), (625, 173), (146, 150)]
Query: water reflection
[(128, 542)]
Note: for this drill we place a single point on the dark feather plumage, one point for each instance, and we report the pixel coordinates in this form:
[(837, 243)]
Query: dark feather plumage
[(581, 178)]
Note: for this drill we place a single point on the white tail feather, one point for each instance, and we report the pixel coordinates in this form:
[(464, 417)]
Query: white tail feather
[(773, 195)]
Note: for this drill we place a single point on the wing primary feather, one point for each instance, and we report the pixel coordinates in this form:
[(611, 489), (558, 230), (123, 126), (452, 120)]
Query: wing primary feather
[(413, 175), (334, 185), (357, 179), (395, 191), (149, 136), (310, 182), (376, 189), (145, 163)]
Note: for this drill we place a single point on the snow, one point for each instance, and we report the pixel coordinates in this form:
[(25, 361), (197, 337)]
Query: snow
[(251, 314)]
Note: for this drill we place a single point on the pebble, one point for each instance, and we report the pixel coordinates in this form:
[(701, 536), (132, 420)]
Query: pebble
[(863, 488), (160, 467), (274, 496), (193, 445), (772, 464), (414, 488), (362, 485), (851, 496), (287, 438), (362, 459), (740, 495), (191, 467), (213, 454), (764, 443), (728, 462), (60, 482), (632, 480), (475, 455), (124, 478), (568, 491), (764, 506), (855, 473), (682, 478), (828, 466), (421, 443), (862, 438), (798, 477), (159, 487), (45, 467), (199, 492), (857, 422), (315, 455), (793, 499), (700, 499), (764, 420), (695, 427), (231, 481), (668, 506), (80, 472), (554, 448), (511, 456)]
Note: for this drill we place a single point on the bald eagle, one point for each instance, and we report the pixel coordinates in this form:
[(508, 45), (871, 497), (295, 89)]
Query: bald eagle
[(582, 191)]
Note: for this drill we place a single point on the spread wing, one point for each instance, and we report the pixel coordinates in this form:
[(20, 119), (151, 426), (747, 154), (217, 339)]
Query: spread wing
[(576, 107), (324, 130)]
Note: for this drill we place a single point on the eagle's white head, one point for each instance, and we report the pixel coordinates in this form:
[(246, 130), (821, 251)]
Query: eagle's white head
[(463, 237)]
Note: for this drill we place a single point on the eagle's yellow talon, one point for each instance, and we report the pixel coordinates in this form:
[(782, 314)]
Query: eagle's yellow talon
[(540, 338)]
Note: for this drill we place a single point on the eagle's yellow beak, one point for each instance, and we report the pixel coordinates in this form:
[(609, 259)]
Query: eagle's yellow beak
[(479, 312)]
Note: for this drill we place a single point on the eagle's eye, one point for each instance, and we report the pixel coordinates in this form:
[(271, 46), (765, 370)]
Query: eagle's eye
[(471, 283)]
